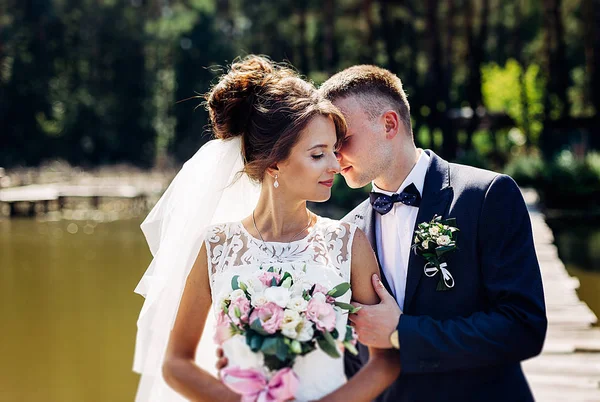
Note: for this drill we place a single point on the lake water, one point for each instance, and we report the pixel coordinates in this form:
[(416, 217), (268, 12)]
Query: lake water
[(68, 309)]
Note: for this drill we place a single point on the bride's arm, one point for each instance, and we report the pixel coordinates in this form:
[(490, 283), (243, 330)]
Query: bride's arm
[(383, 366), (179, 369)]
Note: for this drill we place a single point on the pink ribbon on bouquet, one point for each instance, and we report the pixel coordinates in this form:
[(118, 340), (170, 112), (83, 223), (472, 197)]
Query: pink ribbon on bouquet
[(254, 387)]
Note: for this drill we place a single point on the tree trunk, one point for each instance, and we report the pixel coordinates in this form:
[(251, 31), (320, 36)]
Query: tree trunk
[(475, 44), (391, 36), (329, 35), (302, 47), (526, 126), (450, 144), (367, 55), (557, 74)]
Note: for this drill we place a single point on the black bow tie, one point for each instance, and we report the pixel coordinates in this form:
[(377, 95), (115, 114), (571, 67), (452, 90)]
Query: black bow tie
[(383, 203)]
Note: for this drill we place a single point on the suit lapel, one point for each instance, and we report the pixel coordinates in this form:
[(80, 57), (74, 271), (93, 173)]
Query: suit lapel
[(436, 197)]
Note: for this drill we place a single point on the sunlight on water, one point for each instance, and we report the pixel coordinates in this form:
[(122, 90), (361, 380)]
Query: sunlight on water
[(68, 309)]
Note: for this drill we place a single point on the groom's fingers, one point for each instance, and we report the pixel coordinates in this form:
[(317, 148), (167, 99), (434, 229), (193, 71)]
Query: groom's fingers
[(380, 289)]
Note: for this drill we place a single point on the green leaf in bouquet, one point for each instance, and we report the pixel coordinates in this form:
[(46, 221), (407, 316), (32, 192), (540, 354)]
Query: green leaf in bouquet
[(307, 347), (296, 347), (327, 345), (283, 350), (254, 340), (339, 290), (346, 306), (348, 337), (257, 326), (269, 346), (286, 280), (273, 282), (441, 250), (243, 286), (449, 222), (234, 282), (335, 333), (306, 295), (271, 269), (351, 348), (441, 286)]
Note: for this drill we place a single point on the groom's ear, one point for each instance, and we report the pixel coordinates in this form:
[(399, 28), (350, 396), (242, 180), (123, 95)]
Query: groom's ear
[(391, 121)]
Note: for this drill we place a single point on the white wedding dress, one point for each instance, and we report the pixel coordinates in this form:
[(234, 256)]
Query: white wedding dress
[(322, 257)]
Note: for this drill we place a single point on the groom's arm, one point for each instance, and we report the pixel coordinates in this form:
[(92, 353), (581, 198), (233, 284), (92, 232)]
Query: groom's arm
[(513, 328)]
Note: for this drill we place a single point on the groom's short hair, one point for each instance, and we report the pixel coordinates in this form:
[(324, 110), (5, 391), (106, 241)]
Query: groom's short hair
[(375, 88)]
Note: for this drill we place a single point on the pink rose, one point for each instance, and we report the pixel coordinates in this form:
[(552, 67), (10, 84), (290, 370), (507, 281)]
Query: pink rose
[(266, 277), (321, 313), (321, 289), (270, 316), (223, 330), (239, 310)]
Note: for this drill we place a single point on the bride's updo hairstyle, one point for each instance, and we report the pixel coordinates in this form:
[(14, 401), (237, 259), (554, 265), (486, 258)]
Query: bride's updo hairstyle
[(268, 105)]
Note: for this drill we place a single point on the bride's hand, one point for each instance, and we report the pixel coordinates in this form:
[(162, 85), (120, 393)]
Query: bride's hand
[(222, 361)]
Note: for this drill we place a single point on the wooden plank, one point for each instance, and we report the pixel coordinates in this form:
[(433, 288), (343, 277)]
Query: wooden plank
[(568, 368), (33, 193)]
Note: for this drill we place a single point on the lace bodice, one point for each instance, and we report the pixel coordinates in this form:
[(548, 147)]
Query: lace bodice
[(328, 244), (324, 257)]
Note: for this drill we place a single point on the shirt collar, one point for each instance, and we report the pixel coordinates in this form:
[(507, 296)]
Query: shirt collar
[(416, 176)]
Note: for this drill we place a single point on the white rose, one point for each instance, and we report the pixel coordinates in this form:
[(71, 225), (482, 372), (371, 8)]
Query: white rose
[(443, 240), (434, 230), (297, 304), (259, 299), (278, 295), (299, 287), (424, 244), (236, 294), (254, 285), (306, 332), (290, 323)]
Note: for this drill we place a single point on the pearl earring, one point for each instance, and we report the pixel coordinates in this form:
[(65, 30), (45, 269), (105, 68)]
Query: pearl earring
[(276, 184)]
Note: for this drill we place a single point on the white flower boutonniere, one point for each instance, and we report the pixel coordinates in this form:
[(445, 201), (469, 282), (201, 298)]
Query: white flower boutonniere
[(433, 240)]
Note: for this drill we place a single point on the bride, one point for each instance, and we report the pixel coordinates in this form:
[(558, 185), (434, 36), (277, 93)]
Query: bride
[(275, 128)]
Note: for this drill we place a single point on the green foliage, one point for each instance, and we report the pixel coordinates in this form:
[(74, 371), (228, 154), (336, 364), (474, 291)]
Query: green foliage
[(526, 169), (567, 181), (518, 93)]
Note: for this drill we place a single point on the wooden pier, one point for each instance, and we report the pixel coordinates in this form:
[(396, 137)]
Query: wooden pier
[(568, 368), (38, 197)]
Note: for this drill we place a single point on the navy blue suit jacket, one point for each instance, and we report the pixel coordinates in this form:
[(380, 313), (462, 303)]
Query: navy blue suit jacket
[(466, 344)]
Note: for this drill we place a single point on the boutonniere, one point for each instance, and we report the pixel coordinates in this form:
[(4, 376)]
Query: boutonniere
[(433, 241)]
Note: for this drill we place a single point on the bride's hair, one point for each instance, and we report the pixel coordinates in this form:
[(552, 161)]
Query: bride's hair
[(268, 105)]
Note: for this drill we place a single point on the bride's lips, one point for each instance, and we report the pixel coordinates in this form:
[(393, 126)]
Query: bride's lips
[(327, 183)]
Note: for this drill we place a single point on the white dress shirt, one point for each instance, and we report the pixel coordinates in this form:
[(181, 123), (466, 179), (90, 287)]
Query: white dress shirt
[(394, 231)]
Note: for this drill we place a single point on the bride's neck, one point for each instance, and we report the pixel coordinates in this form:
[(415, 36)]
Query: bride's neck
[(278, 217)]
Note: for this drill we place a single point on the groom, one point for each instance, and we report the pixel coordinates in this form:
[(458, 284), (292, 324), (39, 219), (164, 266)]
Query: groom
[(465, 343)]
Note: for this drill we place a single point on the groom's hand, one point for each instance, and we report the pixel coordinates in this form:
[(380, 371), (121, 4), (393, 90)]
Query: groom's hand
[(374, 324)]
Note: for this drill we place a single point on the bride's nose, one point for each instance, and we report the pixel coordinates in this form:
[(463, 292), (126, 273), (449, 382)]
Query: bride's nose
[(335, 166)]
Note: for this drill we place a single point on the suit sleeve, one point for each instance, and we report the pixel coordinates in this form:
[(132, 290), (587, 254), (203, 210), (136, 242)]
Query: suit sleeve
[(513, 327)]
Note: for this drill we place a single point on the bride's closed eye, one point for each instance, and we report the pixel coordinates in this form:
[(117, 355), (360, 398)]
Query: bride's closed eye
[(317, 157)]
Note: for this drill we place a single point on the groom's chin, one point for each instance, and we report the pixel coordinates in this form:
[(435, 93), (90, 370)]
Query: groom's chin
[(353, 183)]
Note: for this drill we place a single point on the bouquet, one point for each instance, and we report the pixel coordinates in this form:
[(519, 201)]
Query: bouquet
[(433, 241), (281, 316)]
